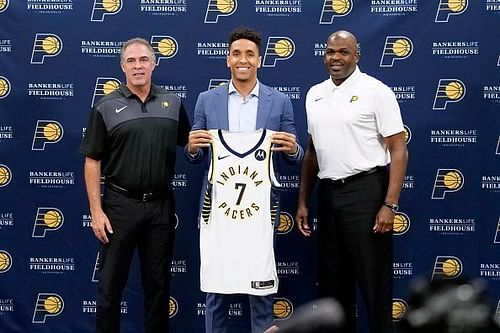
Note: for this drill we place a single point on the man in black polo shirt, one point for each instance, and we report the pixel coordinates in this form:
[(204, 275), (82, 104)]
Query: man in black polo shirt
[(131, 139)]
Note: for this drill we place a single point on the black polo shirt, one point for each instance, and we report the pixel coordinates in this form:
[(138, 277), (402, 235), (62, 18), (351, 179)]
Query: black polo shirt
[(136, 142)]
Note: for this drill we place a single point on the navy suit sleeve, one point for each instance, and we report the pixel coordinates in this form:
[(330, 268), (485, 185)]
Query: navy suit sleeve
[(199, 122), (288, 125)]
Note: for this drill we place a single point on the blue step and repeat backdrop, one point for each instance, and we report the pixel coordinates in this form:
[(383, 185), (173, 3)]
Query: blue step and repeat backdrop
[(57, 57)]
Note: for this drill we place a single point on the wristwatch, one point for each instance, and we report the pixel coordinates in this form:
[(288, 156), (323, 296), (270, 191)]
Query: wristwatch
[(394, 207)]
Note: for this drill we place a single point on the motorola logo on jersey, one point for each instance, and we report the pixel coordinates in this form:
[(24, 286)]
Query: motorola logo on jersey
[(334, 8), (101, 8), (401, 223), (5, 261), (447, 268), (396, 48), (447, 181), (4, 4), (165, 47), (448, 91), (260, 154), (278, 49), (95, 273), (5, 175), (214, 83), (46, 45), (285, 224), (47, 305), (47, 219), (217, 8), (399, 309), (282, 308), (46, 132), (447, 8), (104, 86), (407, 134), (4, 86), (173, 307)]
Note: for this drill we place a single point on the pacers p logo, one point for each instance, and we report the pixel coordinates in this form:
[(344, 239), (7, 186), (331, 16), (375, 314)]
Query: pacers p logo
[(333, 8), (103, 86), (448, 91), (5, 175), (3, 5), (218, 8), (285, 223), (407, 134), (47, 305), (101, 8), (5, 261), (395, 48), (401, 223), (173, 307), (165, 47), (46, 131), (446, 268), (45, 45), (47, 219), (282, 308), (447, 180), (446, 8), (399, 308), (4, 86), (277, 49)]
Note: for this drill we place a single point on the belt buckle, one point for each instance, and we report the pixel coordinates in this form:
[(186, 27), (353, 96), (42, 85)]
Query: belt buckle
[(146, 196)]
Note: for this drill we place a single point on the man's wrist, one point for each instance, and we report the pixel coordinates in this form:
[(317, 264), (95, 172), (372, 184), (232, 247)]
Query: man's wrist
[(296, 151)]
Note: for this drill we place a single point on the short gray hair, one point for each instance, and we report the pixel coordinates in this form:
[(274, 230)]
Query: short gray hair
[(137, 40)]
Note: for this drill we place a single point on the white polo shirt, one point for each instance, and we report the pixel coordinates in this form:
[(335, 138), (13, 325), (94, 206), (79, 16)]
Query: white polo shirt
[(348, 122)]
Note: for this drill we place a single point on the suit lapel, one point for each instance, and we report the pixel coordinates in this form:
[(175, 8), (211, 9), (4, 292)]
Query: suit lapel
[(220, 101), (264, 106)]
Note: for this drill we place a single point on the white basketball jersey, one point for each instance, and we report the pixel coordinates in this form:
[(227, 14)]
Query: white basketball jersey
[(237, 218)]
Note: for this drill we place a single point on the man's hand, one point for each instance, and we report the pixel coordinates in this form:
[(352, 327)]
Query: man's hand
[(101, 224), (284, 142), (301, 218), (384, 220), (198, 139)]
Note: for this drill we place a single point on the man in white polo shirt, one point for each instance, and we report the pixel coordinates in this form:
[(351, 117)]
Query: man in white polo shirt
[(355, 132)]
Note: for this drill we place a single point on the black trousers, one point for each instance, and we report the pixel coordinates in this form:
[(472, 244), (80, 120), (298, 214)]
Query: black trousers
[(351, 254), (149, 227)]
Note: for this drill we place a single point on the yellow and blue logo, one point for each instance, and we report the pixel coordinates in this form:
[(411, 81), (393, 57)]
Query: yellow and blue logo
[(447, 8), (46, 45), (104, 86), (401, 223), (165, 47), (447, 180), (334, 8), (102, 8), (448, 91), (46, 131), (278, 49), (396, 48), (4, 4), (282, 308), (407, 134), (173, 307), (447, 268), (399, 309), (47, 219), (214, 83), (5, 175), (218, 8), (47, 305), (4, 87), (285, 224), (5, 261)]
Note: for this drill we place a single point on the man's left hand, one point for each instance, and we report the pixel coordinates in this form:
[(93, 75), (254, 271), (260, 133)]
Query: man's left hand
[(285, 142), (384, 220)]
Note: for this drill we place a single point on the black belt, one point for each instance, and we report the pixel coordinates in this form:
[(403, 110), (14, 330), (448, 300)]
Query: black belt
[(141, 196), (356, 176)]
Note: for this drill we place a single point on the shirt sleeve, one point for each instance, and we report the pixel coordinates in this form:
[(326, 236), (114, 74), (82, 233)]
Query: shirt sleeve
[(389, 121), (93, 143)]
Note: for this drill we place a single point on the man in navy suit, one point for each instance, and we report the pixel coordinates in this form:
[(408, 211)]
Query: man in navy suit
[(243, 105)]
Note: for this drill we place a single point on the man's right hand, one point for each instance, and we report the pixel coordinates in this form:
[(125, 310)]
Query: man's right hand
[(101, 224), (301, 218), (198, 139)]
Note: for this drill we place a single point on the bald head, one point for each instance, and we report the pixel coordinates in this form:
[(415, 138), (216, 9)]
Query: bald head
[(341, 55)]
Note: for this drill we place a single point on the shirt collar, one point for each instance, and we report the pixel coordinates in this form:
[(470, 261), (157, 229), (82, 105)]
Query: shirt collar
[(254, 92), (347, 82), (153, 92)]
